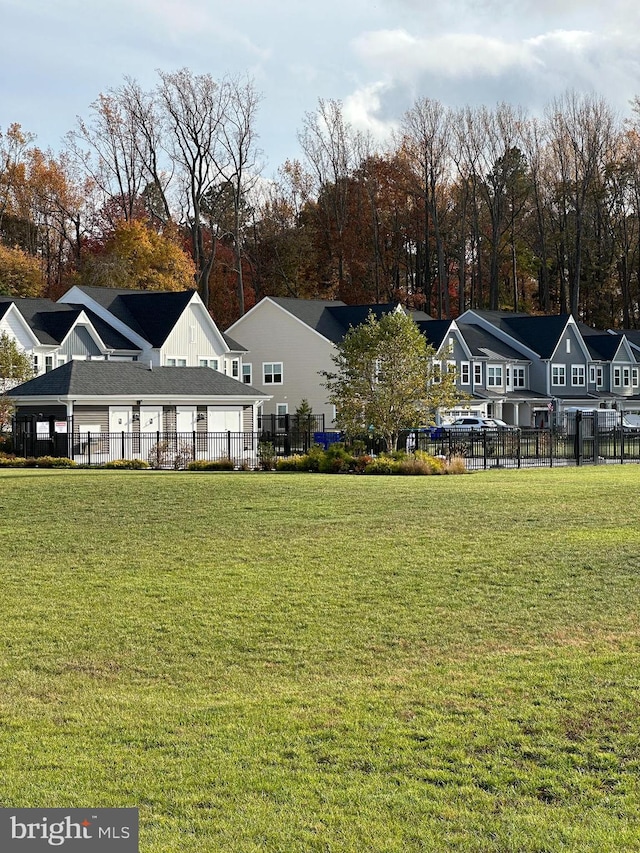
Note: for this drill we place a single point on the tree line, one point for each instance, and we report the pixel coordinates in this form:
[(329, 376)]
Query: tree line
[(461, 208)]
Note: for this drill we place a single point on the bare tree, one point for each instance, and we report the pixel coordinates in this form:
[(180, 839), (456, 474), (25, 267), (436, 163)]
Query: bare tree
[(426, 139), (581, 133), (193, 110), (238, 140), (333, 150)]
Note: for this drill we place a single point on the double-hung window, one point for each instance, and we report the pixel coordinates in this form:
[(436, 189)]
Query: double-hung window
[(494, 376), (477, 373), (518, 377), (558, 374), (617, 377), (176, 361), (465, 373), (272, 373), (577, 374), (246, 374)]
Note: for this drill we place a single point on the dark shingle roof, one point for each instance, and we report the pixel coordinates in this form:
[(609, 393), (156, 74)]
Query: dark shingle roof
[(51, 321), (152, 314), (116, 378), (434, 331), (539, 333), (485, 345), (332, 319)]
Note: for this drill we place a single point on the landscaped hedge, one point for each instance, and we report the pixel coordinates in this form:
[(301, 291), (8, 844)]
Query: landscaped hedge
[(126, 464), (338, 460), (211, 465), (11, 461)]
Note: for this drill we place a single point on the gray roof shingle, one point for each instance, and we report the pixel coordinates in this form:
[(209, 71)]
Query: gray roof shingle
[(117, 378)]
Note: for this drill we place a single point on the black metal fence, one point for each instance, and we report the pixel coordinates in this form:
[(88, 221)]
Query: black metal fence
[(165, 449), (582, 440)]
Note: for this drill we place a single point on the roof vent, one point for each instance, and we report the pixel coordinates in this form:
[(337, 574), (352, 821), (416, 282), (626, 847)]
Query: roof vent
[(150, 365)]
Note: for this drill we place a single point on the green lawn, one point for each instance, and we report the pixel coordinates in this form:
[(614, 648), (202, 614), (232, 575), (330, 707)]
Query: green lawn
[(295, 663)]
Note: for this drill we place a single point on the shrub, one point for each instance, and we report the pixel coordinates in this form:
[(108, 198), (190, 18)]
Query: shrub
[(11, 461), (383, 464), (122, 464), (336, 460), (183, 456), (290, 463), (159, 454), (455, 465), (266, 456), (50, 462), (223, 464)]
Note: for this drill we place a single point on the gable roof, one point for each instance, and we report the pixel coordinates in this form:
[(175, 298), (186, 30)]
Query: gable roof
[(434, 331), (483, 344), (332, 318), (152, 314), (539, 333), (122, 378), (51, 322)]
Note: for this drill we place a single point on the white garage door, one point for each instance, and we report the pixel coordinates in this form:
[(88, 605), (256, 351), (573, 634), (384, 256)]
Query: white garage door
[(223, 420)]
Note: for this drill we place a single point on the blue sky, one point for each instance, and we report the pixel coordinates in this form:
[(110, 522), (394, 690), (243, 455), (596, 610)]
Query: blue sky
[(375, 56)]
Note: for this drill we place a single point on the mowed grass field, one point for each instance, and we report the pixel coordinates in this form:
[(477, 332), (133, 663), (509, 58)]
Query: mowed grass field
[(266, 662)]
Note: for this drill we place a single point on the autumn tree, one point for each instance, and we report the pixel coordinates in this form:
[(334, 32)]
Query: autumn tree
[(20, 273), (136, 256), (15, 368), (387, 377)]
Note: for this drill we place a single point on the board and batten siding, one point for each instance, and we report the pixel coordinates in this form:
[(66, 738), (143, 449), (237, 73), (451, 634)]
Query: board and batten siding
[(272, 335), (79, 342), (193, 337)]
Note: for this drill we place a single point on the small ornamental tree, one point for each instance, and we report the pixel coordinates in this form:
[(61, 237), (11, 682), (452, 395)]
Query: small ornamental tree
[(15, 368), (387, 377)]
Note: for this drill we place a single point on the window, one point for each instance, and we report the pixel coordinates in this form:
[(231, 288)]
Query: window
[(436, 373), (272, 373), (465, 373), (246, 374), (518, 377), (208, 362), (175, 361), (634, 376), (568, 345), (477, 373), (617, 377), (626, 376), (451, 368), (596, 375), (494, 375), (48, 363), (62, 359), (235, 368), (508, 377), (577, 374), (35, 360), (282, 409), (558, 374)]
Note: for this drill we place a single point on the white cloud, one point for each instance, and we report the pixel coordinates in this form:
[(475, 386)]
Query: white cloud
[(362, 110)]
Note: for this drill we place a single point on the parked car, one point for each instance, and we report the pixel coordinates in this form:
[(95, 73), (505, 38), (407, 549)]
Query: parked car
[(471, 422)]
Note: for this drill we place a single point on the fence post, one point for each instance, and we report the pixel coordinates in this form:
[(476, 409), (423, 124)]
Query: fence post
[(484, 446), (577, 445), (228, 444), (193, 444), (88, 448)]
